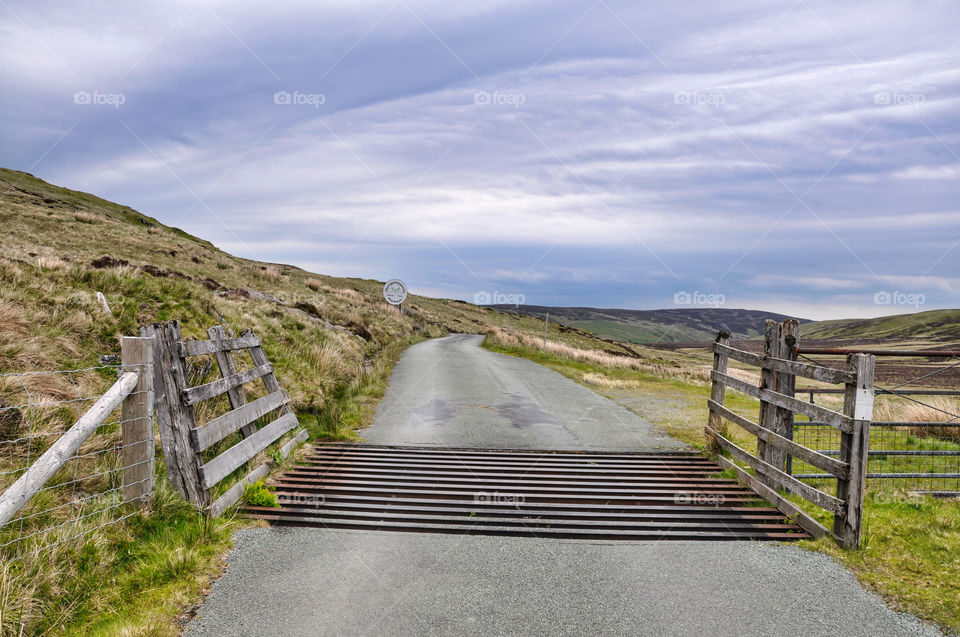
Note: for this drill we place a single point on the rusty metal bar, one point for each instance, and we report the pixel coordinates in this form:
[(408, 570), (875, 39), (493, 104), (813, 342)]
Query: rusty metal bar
[(880, 352)]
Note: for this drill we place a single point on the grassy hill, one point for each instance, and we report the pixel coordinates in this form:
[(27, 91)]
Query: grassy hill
[(654, 326), (59, 247), (934, 327)]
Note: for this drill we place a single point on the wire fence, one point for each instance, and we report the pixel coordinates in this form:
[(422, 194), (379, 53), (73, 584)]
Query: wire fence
[(86, 492), (914, 435)]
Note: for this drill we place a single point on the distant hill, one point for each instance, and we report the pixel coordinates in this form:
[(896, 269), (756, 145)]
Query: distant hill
[(934, 326), (655, 326)]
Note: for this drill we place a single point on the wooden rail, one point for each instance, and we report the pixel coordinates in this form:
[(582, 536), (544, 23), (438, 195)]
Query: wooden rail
[(774, 432), (185, 442), (133, 392)]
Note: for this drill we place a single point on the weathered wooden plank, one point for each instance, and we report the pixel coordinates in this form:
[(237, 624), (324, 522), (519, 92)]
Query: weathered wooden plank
[(717, 388), (786, 385), (831, 465), (768, 382), (815, 412), (237, 396), (175, 418), (854, 448), (194, 395), (288, 447), (807, 370), (235, 492), (221, 427), (799, 517), (270, 381), (214, 345), (732, 382), (136, 355), (231, 459), (63, 449), (823, 500)]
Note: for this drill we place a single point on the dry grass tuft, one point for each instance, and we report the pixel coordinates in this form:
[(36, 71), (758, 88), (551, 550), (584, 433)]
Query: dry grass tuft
[(12, 319), (314, 284), (696, 374), (46, 263), (87, 217)]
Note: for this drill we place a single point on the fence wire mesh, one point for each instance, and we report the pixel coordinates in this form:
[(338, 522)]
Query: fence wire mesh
[(84, 495), (914, 435)]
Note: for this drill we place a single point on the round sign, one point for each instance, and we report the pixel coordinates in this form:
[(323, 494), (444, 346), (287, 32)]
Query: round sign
[(395, 291)]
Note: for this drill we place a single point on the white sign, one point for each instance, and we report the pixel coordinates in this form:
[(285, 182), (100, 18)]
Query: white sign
[(395, 291)]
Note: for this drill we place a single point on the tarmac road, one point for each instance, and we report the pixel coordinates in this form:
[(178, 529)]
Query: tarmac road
[(315, 581), (450, 392)]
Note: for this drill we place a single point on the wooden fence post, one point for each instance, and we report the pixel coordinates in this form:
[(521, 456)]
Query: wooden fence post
[(785, 384), (136, 355), (854, 449), (768, 380), (175, 418), (791, 342), (717, 388)]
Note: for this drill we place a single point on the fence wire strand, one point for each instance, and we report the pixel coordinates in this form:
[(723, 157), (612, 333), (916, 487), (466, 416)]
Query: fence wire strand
[(917, 452), (85, 495)]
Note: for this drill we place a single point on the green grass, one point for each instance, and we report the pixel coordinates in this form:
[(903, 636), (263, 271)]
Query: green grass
[(132, 577), (934, 326), (639, 332), (910, 555), (911, 545), (259, 495)]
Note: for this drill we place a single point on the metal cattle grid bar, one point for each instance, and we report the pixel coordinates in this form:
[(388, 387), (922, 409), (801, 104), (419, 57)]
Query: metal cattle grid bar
[(550, 494)]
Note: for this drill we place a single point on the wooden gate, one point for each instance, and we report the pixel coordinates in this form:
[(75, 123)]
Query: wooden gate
[(775, 446), (195, 456)]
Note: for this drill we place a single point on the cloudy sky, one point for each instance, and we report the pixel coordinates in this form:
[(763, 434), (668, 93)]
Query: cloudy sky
[(801, 157)]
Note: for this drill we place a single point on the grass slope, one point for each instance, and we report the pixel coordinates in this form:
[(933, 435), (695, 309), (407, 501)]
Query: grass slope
[(654, 326), (934, 326)]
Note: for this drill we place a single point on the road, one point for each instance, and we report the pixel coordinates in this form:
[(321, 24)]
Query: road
[(448, 391)]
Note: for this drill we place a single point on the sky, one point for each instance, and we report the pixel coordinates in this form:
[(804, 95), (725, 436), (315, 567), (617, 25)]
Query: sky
[(798, 157)]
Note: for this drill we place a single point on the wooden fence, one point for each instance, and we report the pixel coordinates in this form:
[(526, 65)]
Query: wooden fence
[(133, 393), (184, 442), (775, 446)]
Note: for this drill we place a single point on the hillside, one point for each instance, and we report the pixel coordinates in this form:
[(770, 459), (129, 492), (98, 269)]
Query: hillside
[(324, 334), (654, 326), (933, 327)]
